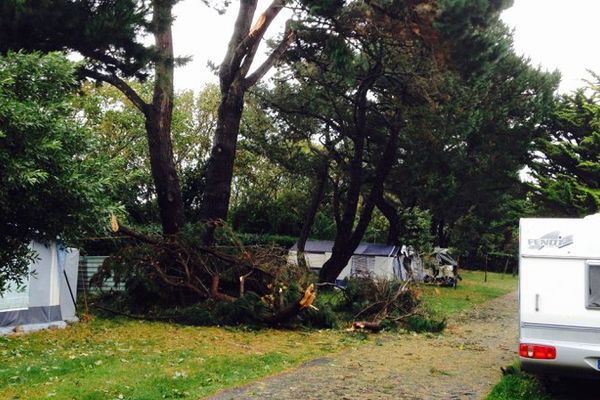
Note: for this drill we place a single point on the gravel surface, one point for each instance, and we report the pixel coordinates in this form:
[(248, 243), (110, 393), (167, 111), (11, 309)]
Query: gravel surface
[(462, 363)]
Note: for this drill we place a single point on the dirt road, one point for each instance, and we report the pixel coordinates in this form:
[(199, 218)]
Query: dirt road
[(462, 363)]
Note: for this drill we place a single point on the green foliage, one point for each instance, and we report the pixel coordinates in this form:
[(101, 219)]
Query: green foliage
[(462, 161), (420, 323), (517, 385), (260, 213), (324, 317), (253, 239), (106, 30), (365, 299), (51, 186), (566, 165), (119, 133), (248, 310), (416, 229)]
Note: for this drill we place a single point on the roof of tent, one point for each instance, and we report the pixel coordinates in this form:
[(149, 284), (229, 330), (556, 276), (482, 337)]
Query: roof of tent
[(363, 249)]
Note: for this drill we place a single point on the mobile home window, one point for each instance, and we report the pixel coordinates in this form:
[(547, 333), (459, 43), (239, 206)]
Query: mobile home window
[(363, 265), (593, 286)]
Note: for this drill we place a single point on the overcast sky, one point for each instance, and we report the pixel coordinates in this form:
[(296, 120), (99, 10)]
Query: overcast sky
[(555, 34)]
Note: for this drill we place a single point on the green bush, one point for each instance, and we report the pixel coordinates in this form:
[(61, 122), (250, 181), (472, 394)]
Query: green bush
[(324, 317)]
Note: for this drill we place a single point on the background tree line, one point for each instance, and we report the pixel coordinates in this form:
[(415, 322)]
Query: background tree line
[(398, 122)]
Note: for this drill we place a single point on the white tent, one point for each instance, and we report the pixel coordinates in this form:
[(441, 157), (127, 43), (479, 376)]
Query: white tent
[(47, 297), (377, 260)]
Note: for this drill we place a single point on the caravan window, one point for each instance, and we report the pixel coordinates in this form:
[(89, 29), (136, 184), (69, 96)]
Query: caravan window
[(593, 297), (363, 265), (15, 297)]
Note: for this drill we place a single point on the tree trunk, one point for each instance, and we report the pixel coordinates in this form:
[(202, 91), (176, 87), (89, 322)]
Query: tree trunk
[(346, 240), (311, 212), (234, 81), (340, 255), (219, 171), (158, 124)]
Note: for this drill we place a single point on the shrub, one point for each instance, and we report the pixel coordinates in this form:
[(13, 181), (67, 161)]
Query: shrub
[(377, 299)]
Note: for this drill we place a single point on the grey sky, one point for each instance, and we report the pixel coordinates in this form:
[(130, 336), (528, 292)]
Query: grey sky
[(558, 34), (555, 34)]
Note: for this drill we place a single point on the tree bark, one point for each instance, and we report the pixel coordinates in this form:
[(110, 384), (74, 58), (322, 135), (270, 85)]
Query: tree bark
[(157, 115), (347, 236), (158, 123), (219, 172)]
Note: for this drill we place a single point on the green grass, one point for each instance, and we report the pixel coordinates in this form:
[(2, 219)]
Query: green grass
[(517, 385), (117, 358), (472, 290)]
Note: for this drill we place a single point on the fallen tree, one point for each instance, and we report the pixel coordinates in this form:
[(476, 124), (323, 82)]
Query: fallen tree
[(163, 272)]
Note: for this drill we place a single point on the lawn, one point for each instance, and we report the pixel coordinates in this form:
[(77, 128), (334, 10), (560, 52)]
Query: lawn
[(124, 359), (471, 290), (118, 358)]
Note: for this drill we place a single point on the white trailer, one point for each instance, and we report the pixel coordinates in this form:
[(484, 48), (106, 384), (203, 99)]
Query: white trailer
[(559, 295)]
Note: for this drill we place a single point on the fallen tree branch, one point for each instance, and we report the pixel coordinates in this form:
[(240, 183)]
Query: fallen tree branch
[(293, 309), (374, 327), (214, 291)]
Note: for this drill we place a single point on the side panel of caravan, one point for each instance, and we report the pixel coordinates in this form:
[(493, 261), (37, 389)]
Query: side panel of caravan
[(559, 324)]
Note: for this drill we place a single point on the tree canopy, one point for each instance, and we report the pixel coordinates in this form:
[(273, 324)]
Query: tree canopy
[(52, 186), (566, 165)]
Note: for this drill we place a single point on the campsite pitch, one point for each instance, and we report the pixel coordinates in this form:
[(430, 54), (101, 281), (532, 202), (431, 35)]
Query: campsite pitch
[(124, 359)]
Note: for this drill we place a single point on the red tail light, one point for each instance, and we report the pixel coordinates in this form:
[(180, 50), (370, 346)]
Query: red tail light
[(537, 351)]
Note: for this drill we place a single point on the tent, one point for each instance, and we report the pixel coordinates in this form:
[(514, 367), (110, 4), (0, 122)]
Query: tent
[(47, 296), (377, 260)]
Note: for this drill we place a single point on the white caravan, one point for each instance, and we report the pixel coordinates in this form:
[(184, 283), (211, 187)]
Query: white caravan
[(559, 295)]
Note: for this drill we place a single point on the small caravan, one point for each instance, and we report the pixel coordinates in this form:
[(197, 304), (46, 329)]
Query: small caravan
[(47, 296), (559, 295)]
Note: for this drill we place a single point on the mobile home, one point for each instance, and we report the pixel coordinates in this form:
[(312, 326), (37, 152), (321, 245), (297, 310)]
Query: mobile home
[(559, 295), (375, 259)]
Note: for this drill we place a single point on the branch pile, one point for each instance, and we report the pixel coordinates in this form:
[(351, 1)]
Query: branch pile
[(179, 271)]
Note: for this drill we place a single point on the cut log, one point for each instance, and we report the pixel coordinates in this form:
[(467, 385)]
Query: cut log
[(371, 326)]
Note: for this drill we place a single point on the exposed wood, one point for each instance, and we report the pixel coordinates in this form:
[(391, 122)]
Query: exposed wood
[(286, 313), (117, 228), (370, 326)]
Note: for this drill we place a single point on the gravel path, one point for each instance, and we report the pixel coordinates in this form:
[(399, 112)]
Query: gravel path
[(462, 363)]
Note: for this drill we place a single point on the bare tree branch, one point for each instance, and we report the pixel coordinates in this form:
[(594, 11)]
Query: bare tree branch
[(120, 84), (275, 55)]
